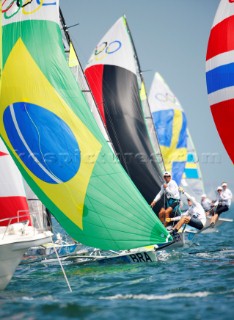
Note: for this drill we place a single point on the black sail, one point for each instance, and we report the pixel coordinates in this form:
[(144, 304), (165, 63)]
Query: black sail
[(114, 78)]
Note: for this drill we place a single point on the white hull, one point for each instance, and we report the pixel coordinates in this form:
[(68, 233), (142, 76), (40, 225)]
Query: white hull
[(12, 248)]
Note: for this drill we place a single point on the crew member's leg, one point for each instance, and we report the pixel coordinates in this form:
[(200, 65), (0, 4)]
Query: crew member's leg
[(183, 220), (161, 215), (220, 209)]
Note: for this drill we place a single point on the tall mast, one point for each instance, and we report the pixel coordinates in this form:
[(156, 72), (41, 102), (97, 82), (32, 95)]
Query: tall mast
[(145, 107)]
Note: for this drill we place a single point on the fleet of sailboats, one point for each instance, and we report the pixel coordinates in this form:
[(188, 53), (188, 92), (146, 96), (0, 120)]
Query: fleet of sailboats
[(90, 146), (67, 161)]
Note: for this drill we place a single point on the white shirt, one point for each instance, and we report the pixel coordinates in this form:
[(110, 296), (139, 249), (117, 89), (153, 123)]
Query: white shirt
[(195, 210), (227, 196), (224, 198), (171, 191), (206, 203)]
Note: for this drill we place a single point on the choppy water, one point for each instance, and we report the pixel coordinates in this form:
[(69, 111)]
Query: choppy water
[(196, 283)]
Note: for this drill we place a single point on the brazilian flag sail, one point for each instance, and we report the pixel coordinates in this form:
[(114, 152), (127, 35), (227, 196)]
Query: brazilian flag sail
[(52, 136)]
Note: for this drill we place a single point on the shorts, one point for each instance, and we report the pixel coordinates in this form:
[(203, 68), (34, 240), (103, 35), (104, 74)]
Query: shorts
[(173, 203), (220, 209), (196, 223)]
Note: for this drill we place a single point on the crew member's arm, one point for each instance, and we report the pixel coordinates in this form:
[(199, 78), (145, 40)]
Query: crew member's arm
[(177, 218), (158, 196), (190, 198)]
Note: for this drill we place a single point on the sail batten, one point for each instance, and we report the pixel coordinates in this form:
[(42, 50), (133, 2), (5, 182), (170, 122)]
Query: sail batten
[(56, 143)]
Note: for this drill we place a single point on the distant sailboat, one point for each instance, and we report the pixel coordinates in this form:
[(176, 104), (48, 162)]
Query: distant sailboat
[(192, 178), (115, 79), (220, 74), (176, 144), (171, 124), (56, 143)]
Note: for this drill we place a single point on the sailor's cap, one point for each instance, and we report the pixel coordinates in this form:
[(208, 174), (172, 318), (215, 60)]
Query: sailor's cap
[(203, 195), (167, 174), (224, 184), (219, 188)]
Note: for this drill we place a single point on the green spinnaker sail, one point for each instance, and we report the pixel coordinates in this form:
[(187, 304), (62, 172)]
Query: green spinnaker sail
[(56, 143)]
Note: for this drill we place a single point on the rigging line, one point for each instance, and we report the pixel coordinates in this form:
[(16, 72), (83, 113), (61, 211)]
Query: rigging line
[(86, 84), (64, 273), (73, 25)]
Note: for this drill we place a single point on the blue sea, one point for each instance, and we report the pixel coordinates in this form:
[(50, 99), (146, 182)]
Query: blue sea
[(193, 283)]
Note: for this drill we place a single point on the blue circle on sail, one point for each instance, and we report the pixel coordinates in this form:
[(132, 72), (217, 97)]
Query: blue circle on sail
[(43, 141)]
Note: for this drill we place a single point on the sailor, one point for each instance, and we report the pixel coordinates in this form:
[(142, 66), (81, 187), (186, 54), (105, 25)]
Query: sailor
[(170, 190), (227, 193), (195, 215), (206, 204), (223, 202)]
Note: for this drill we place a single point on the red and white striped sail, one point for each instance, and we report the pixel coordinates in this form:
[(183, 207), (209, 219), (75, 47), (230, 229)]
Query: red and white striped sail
[(13, 201), (220, 73)]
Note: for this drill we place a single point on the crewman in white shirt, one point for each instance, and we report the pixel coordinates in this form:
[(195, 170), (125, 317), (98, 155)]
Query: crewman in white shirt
[(206, 204), (223, 202), (170, 190), (195, 215)]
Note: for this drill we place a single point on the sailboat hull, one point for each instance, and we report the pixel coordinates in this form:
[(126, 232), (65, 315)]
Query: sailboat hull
[(12, 248)]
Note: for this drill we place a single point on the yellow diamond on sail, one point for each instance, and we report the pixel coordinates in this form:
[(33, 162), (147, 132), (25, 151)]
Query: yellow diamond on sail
[(27, 94)]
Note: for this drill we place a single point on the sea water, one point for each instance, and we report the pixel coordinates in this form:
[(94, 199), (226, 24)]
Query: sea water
[(193, 283)]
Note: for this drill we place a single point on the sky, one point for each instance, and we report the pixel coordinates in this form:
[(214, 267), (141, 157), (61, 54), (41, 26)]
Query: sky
[(171, 38)]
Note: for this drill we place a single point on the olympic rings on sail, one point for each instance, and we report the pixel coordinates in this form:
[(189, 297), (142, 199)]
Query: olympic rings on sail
[(165, 97), (104, 49), (11, 7)]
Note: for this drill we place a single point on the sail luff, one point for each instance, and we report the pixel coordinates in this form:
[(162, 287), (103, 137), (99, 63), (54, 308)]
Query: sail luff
[(79, 74), (146, 108)]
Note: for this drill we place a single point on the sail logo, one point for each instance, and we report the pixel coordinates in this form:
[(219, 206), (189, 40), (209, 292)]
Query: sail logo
[(26, 123), (167, 97), (37, 110), (11, 8), (105, 48)]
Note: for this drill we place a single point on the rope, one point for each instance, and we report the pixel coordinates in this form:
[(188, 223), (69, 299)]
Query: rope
[(65, 276)]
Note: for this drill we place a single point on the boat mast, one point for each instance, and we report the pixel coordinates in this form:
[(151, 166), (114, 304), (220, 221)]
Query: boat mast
[(146, 110), (83, 83)]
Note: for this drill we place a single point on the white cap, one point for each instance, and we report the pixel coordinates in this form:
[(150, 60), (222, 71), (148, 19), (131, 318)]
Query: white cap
[(219, 188), (224, 184), (203, 195), (167, 173)]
